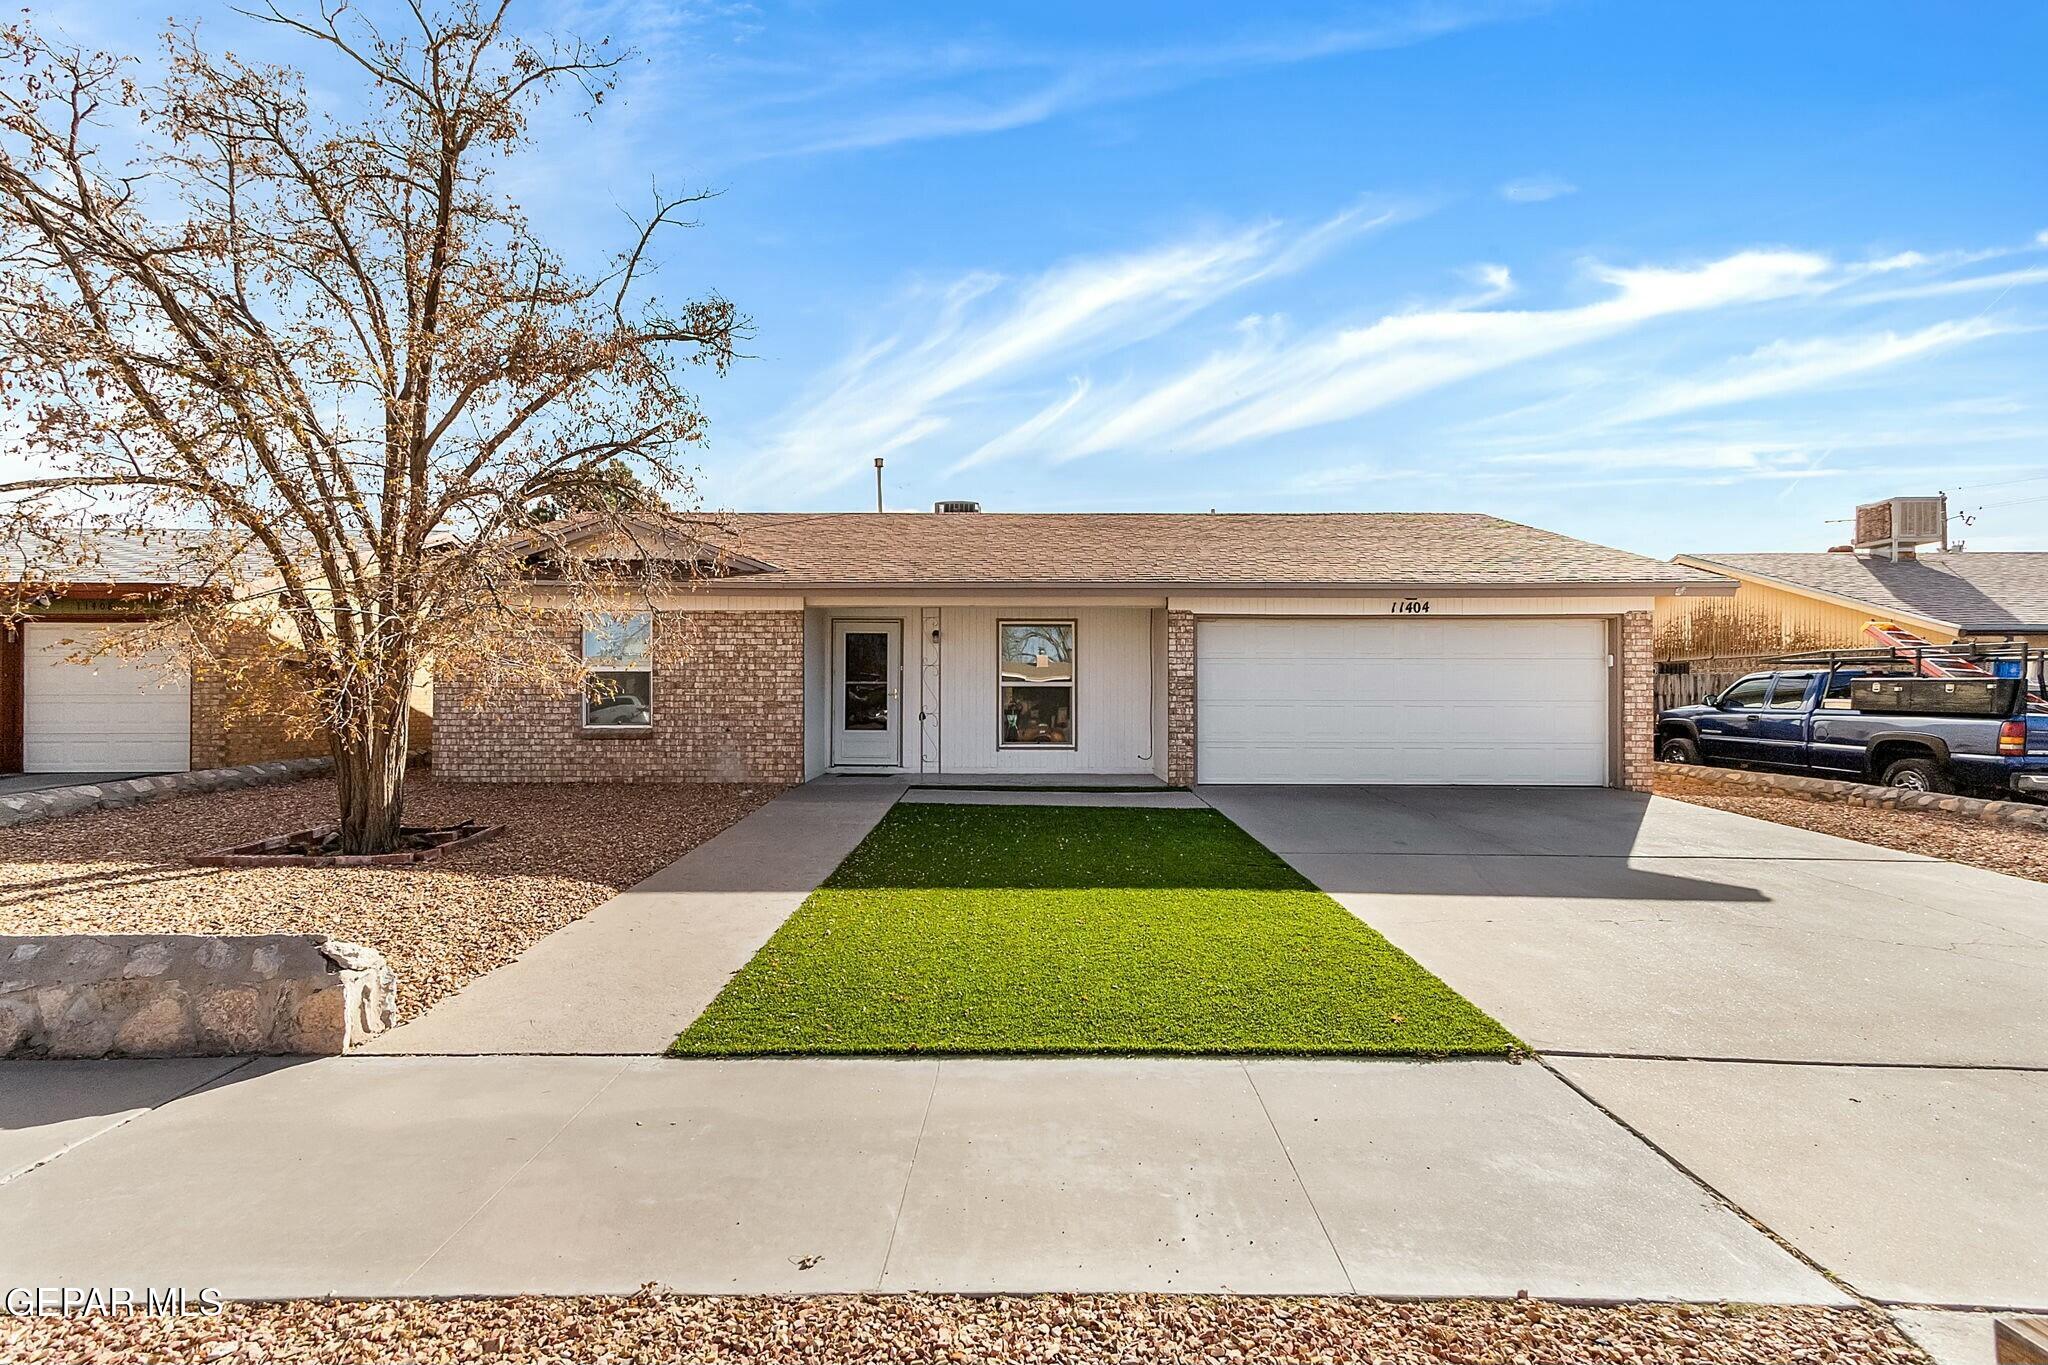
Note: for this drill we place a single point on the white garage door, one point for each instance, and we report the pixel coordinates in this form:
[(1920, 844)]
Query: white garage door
[(1497, 700), (109, 715)]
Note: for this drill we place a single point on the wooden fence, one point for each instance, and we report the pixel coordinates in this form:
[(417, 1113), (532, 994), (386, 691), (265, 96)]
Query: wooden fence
[(1681, 682)]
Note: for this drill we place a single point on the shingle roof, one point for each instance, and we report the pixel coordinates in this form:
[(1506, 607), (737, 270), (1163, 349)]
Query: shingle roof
[(165, 556), (1396, 549), (1988, 590)]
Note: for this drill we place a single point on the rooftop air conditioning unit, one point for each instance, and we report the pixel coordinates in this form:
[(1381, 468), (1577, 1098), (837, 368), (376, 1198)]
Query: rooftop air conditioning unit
[(960, 506), (1898, 527)]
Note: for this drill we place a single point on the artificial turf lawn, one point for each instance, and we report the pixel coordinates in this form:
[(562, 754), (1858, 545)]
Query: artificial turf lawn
[(1065, 929)]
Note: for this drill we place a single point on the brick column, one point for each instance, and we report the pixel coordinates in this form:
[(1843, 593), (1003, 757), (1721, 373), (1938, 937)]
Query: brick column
[(1180, 697), (209, 732), (1638, 701)]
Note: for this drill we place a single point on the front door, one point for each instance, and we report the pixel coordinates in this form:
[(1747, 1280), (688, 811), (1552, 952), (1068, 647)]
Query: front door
[(867, 693)]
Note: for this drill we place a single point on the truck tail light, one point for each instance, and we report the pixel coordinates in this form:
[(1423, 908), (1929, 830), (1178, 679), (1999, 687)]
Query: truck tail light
[(2012, 737)]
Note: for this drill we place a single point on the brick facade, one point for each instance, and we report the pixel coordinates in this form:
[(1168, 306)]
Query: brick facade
[(1638, 701), (1180, 698), (728, 707)]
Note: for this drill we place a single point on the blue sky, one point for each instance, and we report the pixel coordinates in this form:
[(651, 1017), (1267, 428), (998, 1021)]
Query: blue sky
[(1674, 278)]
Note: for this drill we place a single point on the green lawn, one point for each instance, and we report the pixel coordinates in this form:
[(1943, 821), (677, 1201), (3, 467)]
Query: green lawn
[(1063, 929)]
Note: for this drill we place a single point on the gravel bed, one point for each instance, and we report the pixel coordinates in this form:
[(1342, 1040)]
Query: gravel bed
[(1071, 1329), (566, 849), (2013, 850)]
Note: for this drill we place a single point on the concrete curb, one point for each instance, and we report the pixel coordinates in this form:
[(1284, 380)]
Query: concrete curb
[(1863, 794), (29, 807)]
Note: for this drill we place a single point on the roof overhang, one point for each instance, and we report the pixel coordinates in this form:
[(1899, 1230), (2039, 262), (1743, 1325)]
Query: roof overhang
[(1876, 609), (778, 583)]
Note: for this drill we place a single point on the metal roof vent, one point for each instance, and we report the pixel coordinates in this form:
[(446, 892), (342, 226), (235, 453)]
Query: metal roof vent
[(956, 506)]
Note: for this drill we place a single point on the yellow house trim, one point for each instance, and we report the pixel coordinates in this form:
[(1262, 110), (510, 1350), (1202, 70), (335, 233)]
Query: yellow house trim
[(1837, 599)]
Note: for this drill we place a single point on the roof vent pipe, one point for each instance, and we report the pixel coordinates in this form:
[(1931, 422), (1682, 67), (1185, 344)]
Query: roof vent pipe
[(956, 506)]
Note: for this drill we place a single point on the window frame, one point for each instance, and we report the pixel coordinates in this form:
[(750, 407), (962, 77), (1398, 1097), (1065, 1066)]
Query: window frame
[(591, 673), (1072, 684), (1794, 701), (1720, 703)]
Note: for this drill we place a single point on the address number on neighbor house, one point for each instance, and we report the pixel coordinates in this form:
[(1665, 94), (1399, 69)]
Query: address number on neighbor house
[(1408, 606)]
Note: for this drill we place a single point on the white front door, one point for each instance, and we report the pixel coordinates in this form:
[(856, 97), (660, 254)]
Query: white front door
[(867, 693), (112, 714)]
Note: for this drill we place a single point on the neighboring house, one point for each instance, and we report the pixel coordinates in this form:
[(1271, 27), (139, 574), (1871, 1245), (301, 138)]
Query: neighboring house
[(1792, 603), (64, 708), (1367, 647)]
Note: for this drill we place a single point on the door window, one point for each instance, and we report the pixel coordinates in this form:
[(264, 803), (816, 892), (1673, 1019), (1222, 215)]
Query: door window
[(1747, 695), (1789, 694), (865, 674)]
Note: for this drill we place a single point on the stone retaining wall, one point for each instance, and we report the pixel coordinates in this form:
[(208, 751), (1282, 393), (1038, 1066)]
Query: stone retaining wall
[(1861, 794), (189, 995), (26, 807)]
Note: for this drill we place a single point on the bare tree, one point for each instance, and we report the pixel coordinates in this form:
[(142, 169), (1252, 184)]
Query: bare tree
[(335, 342)]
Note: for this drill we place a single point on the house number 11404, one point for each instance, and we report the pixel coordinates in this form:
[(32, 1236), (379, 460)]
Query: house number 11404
[(1409, 606)]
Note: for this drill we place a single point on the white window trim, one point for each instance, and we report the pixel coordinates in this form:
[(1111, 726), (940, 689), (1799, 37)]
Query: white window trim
[(1073, 685), (590, 673)]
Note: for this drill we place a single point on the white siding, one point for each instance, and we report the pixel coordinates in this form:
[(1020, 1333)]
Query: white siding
[(1159, 683), (1440, 604), (1113, 715), (817, 693)]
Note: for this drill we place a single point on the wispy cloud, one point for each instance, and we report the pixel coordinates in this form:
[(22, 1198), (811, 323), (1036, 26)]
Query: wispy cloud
[(983, 331), (819, 96), (1790, 366), (1537, 188), (2001, 281), (1270, 386)]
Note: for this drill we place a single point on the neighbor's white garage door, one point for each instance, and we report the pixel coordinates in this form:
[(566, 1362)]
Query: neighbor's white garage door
[(1496, 700), (109, 715)]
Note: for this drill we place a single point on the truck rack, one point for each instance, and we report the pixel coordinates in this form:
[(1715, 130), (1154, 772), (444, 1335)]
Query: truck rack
[(1902, 649)]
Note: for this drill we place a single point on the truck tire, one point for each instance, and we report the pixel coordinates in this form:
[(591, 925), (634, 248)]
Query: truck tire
[(1919, 775), (1679, 749)]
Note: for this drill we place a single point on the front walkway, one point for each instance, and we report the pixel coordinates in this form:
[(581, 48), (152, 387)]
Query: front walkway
[(630, 975), (563, 1175)]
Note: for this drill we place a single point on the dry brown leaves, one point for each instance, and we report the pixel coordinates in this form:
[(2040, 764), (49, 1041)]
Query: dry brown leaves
[(1072, 1329), (1998, 848), (566, 849)]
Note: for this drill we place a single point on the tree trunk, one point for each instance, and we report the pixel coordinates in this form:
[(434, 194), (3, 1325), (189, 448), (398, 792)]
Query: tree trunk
[(369, 779)]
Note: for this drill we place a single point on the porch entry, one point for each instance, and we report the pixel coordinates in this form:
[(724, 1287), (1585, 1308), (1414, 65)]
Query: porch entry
[(867, 693)]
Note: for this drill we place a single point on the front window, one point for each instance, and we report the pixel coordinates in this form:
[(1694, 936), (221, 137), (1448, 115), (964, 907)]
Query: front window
[(1747, 695), (618, 651), (1036, 667)]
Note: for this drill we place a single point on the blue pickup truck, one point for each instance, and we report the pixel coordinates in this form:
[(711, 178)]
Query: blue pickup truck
[(1862, 725)]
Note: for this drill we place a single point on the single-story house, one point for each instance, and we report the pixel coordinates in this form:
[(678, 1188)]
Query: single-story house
[(1315, 647), (67, 707), (1791, 603)]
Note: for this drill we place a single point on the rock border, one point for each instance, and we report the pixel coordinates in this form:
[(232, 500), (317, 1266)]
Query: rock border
[(24, 808), (77, 996), (2017, 813), (272, 852)]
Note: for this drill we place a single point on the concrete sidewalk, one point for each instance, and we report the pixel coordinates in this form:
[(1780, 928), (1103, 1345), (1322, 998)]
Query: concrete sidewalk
[(500, 1175), (630, 975)]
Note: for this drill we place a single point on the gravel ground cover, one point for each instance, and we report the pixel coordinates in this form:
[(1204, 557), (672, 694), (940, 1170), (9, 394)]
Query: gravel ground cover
[(565, 850), (1073, 929), (1999, 848), (1072, 1329)]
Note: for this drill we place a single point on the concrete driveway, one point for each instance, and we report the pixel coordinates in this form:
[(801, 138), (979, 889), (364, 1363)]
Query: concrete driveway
[(1848, 1042)]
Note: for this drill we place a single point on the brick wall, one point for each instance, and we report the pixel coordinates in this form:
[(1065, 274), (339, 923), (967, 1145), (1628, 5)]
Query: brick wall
[(728, 707), (1180, 698), (1638, 701)]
